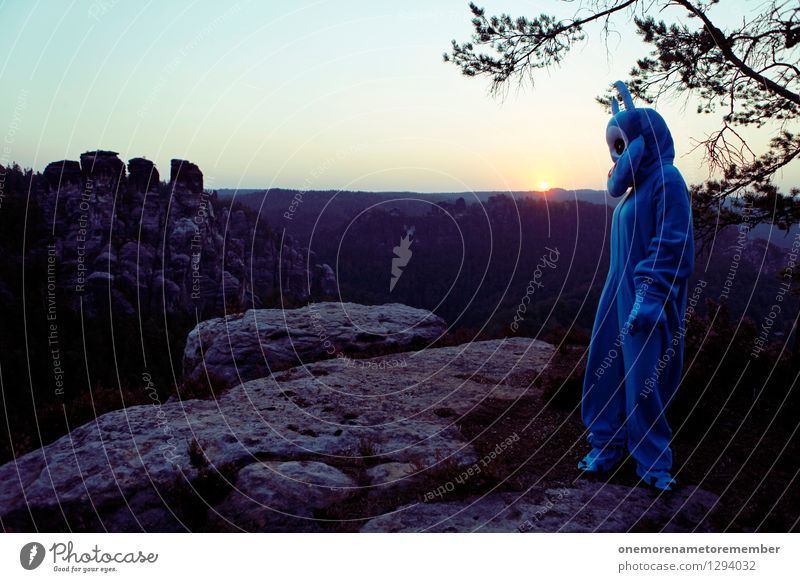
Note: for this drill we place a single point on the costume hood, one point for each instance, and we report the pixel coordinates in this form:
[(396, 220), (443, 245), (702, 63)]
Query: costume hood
[(639, 142)]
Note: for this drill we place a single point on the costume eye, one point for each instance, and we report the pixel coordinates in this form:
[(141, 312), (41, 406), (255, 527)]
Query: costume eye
[(616, 140)]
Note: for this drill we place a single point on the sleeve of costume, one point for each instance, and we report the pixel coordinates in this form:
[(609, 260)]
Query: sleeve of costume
[(670, 256)]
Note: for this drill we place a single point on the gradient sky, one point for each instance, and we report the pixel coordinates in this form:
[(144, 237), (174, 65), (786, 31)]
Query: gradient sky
[(348, 94)]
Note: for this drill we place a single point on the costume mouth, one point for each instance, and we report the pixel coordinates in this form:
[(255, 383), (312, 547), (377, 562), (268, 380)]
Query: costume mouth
[(611, 171)]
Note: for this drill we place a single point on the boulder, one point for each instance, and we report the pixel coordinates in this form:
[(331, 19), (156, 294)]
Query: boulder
[(257, 342), (281, 496)]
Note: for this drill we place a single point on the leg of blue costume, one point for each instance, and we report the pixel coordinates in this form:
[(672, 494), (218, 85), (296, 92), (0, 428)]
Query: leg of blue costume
[(636, 352)]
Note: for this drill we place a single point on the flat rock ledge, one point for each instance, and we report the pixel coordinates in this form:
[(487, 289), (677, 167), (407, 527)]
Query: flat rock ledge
[(253, 344), (585, 506), (336, 445)]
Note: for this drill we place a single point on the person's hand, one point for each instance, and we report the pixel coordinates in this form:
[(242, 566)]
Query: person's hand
[(645, 316)]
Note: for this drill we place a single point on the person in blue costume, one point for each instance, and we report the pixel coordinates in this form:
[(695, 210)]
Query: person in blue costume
[(636, 352)]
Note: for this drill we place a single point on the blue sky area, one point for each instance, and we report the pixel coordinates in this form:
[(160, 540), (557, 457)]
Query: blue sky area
[(326, 94)]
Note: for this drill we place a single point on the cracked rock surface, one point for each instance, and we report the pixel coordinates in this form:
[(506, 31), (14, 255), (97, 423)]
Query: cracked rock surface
[(337, 445)]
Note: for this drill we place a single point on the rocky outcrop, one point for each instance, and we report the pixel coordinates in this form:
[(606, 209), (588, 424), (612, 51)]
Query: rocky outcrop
[(325, 280), (338, 445), (63, 173), (102, 164), (179, 250), (143, 175), (186, 174), (246, 346)]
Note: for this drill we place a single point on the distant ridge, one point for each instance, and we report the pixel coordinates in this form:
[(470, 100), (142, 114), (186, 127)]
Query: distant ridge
[(274, 202), (555, 194)]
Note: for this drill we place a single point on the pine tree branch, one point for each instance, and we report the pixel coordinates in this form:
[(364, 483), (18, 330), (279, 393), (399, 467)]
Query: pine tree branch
[(724, 45)]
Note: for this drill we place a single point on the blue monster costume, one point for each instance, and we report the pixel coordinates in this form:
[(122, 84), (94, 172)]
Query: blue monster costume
[(636, 352)]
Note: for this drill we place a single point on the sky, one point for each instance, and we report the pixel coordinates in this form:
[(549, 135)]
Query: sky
[(326, 94)]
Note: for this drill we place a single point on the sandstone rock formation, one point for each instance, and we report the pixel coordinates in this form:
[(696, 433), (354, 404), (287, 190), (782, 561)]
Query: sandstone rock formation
[(63, 173), (246, 346), (151, 247), (102, 164), (186, 174), (338, 445), (143, 175)]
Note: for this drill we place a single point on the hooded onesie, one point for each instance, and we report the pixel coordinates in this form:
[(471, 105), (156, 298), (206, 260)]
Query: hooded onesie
[(636, 351)]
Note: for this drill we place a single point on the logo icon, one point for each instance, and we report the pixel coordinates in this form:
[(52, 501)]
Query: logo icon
[(402, 256), (31, 555)]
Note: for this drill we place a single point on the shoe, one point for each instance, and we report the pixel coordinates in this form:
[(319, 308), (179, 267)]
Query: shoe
[(657, 479), (601, 460)]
